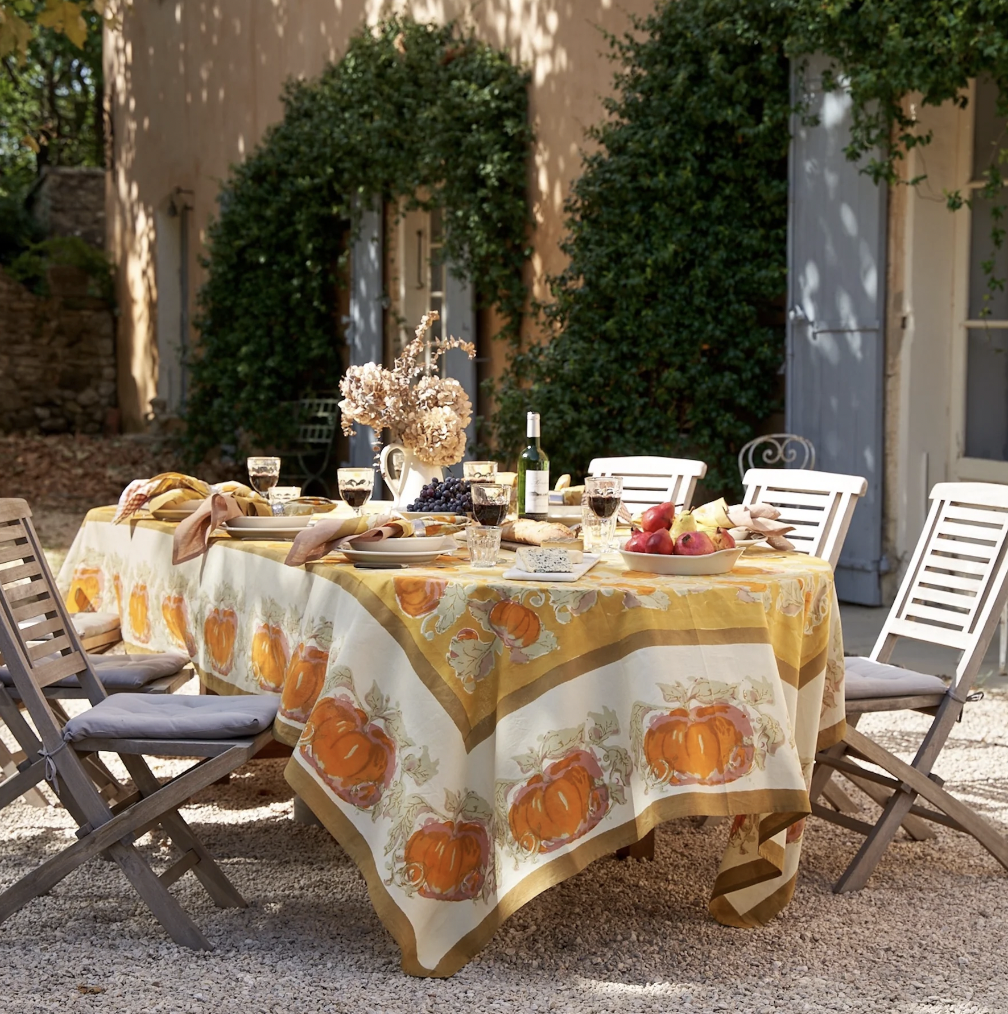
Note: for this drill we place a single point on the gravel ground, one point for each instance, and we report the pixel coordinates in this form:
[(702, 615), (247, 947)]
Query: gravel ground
[(929, 933)]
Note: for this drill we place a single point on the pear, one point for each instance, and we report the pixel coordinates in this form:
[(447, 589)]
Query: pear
[(713, 514), (684, 522)]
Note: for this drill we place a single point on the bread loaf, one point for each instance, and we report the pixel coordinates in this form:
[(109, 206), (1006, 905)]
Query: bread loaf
[(534, 533)]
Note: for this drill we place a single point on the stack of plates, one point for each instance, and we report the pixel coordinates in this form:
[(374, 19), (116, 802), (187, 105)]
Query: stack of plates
[(266, 528), (413, 550)]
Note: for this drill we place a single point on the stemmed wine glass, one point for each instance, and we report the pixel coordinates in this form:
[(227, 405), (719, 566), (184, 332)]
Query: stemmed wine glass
[(263, 474), (598, 512), (355, 486)]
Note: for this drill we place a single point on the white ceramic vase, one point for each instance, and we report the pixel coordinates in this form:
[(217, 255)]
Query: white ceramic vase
[(405, 479)]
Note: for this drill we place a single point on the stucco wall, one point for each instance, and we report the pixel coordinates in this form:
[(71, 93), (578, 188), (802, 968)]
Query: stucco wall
[(192, 85), (925, 278)]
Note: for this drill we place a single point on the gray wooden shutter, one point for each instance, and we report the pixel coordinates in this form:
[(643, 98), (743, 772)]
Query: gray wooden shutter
[(835, 334), (364, 332), (460, 322)]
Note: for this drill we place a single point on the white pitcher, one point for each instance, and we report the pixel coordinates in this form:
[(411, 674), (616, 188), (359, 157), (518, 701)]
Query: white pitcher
[(412, 475)]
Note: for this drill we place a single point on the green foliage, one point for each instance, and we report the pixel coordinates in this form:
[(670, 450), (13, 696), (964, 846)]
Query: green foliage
[(18, 230), (410, 110), (31, 268), (50, 92), (666, 332)]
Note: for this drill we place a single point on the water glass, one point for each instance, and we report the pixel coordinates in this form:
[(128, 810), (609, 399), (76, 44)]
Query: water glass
[(599, 512), (484, 545), (280, 495), (263, 473), (479, 471), (355, 486)]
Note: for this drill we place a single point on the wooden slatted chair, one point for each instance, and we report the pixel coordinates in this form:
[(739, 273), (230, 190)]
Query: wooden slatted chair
[(818, 504), (649, 480), (954, 591), (224, 731)]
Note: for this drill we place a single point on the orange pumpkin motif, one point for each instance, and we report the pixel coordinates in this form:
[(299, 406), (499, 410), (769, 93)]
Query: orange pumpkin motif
[(303, 681), (560, 805), (516, 625), (220, 629), (270, 655), (795, 831), (176, 617), (139, 613), (418, 596), (710, 745), (85, 591), (355, 757), (117, 585), (447, 860)]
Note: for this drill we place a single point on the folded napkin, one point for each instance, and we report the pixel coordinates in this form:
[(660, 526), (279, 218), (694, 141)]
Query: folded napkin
[(140, 491), (193, 533), (757, 520), (324, 536)]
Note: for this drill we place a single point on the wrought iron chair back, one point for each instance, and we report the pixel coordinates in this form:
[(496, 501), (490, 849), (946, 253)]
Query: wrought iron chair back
[(318, 419), (782, 450)]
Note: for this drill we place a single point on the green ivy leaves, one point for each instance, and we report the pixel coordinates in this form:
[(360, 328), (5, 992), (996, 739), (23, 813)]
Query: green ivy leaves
[(410, 109)]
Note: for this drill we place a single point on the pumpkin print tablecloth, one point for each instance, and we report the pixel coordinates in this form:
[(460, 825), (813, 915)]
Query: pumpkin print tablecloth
[(471, 741)]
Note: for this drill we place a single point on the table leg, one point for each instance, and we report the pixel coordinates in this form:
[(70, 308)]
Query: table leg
[(303, 813), (643, 849)]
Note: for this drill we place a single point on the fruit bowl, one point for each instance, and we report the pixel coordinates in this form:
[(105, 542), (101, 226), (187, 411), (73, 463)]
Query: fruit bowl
[(683, 566)]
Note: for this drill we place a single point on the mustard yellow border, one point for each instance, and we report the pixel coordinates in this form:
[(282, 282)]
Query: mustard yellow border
[(685, 804)]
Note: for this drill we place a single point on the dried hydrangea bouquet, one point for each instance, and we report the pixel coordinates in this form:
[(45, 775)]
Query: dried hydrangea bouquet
[(427, 414)]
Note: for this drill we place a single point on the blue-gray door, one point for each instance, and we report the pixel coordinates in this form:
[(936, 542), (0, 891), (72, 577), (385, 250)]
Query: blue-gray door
[(835, 332)]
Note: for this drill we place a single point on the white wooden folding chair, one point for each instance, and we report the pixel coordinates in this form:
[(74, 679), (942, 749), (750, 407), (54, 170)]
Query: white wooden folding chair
[(649, 480), (954, 591), (818, 504), (223, 731)]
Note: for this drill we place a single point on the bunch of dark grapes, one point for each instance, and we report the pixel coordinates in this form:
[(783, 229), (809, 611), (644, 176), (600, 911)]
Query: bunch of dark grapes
[(450, 495)]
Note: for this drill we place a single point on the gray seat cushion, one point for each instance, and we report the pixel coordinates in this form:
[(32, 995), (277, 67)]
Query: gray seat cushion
[(92, 624), (121, 672), (186, 717), (865, 679)]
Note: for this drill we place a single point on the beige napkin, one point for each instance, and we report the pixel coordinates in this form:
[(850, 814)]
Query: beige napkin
[(760, 519), (193, 534), (324, 536)]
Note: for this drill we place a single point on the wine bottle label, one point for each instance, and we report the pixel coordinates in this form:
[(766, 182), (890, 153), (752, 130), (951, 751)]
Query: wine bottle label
[(537, 492)]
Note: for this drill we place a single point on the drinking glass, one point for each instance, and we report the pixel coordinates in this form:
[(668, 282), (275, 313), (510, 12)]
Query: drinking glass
[(599, 509), (355, 486), (490, 503), (479, 471), (484, 545), (263, 474), (280, 495)]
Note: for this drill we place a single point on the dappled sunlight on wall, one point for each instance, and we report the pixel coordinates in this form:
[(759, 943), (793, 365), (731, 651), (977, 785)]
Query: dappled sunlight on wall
[(192, 86)]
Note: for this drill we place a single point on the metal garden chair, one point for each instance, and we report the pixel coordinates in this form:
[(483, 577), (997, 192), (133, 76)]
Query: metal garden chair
[(40, 648), (317, 422), (785, 450), (954, 591)]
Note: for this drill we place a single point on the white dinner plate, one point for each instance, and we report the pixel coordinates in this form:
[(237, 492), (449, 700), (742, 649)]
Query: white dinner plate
[(446, 516), (683, 566), (264, 523), (564, 513), (413, 545), (174, 513), (390, 556), (263, 534)]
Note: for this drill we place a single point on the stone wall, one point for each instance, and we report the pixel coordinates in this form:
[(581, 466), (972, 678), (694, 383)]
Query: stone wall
[(71, 202), (57, 356)]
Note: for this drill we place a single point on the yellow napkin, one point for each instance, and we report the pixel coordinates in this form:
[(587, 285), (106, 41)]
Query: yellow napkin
[(140, 491)]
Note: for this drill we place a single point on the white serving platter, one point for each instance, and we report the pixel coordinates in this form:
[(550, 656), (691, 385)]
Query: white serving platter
[(579, 570), (683, 566), (263, 534)]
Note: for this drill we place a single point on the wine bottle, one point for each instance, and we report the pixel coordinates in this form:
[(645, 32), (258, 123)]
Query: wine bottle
[(533, 476)]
